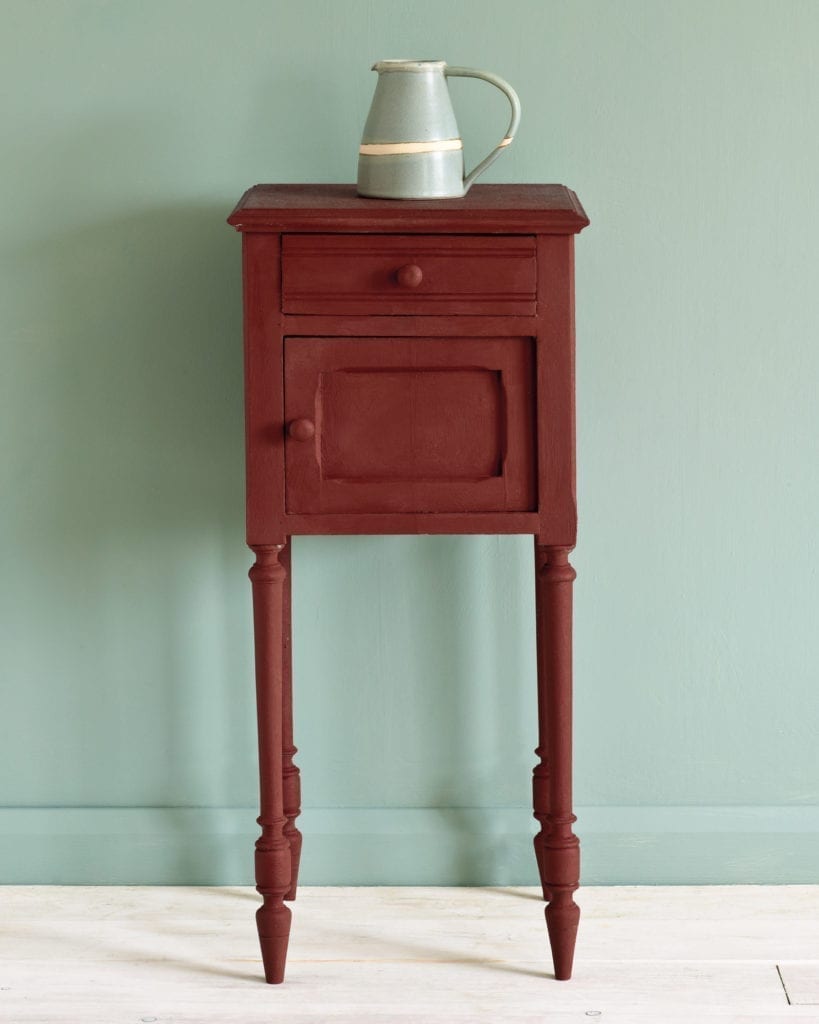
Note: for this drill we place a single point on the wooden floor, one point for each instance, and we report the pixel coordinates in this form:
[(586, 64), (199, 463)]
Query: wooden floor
[(122, 955)]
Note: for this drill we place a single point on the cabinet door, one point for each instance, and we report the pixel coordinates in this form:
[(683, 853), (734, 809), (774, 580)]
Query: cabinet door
[(409, 424)]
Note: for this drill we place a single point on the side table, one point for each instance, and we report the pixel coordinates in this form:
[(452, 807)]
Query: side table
[(409, 368)]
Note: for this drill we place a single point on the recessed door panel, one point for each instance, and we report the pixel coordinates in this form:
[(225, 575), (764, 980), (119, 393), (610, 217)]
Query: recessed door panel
[(409, 424)]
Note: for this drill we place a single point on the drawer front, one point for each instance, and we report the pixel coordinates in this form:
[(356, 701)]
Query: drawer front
[(406, 274), (409, 425)]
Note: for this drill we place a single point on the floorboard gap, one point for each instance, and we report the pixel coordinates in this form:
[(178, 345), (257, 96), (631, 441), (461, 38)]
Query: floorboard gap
[(784, 986)]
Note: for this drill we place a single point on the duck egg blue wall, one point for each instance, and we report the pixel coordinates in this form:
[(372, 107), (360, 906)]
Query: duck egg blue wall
[(128, 740)]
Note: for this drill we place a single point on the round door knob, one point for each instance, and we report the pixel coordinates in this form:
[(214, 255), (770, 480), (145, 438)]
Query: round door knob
[(301, 430), (409, 276)]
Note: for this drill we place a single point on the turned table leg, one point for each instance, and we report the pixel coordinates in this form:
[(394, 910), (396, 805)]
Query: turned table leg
[(268, 577), (540, 774), (556, 846), (291, 782)]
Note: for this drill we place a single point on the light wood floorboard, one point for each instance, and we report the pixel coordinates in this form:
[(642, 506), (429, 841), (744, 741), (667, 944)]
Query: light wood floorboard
[(801, 983), (139, 955)]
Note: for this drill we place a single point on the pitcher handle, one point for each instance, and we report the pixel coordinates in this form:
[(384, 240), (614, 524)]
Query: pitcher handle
[(514, 103)]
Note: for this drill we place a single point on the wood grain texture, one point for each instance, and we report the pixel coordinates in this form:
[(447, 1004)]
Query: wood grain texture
[(434, 326), (390, 388), (291, 779), (801, 982), (674, 955), (556, 389), (518, 209), (414, 522), (556, 846), (264, 404), (410, 425), (396, 275), (273, 853)]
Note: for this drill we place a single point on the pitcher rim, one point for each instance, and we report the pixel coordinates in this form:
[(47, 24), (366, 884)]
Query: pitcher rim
[(418, 64)]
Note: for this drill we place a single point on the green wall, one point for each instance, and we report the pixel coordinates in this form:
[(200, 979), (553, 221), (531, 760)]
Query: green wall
[(127, 750)]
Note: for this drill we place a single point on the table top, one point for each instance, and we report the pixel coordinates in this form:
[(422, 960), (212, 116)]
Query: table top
[(515, 209)]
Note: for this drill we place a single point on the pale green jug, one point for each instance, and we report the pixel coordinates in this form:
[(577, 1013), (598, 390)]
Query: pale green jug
[(411, 148)]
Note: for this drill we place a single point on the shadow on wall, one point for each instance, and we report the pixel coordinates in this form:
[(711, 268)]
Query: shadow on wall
[(422, 706), (131, 516), (132, 542), (491, 666)]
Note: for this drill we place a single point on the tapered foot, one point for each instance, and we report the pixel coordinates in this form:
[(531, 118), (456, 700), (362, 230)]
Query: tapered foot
[(273, 923), (294, 839), (562, 918)]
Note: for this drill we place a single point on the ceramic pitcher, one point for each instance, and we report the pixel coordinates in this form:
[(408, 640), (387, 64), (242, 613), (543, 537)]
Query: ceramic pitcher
[(411, 148)]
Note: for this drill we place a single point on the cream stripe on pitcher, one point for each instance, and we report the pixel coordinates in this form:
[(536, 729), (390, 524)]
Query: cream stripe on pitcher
[(391, 148)]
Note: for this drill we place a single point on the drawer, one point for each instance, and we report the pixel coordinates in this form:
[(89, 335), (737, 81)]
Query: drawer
[(409, 274), (409, 425)]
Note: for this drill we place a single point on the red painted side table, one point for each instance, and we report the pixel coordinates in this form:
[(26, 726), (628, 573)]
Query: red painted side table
[(409, 368)]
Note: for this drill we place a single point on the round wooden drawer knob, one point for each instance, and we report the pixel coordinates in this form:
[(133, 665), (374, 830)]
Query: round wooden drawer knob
[(409, 276), (301, 430)]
